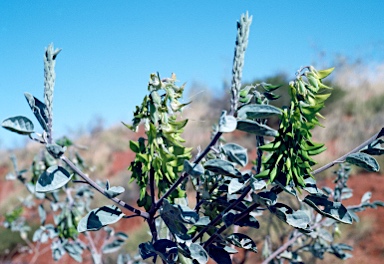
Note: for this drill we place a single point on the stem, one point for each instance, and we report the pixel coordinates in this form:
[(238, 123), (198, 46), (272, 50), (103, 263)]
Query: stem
[(223, 228), (185, 175), (259, 142), (220, 216), (342, 158), (101, 190), (93, 248), (282, 248)]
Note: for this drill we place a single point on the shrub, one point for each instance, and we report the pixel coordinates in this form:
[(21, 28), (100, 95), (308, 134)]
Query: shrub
[(226, 196)]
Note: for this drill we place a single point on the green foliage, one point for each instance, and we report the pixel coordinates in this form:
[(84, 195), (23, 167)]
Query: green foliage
[(227, 194)]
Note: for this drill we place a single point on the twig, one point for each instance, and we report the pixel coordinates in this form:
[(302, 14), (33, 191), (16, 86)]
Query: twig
[(220, 216), (342, 158), (101, 190), (223, 228), (282, 248), (185, 175)]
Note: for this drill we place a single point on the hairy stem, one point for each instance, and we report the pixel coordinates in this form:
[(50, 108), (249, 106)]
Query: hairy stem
[(223, 228), (101, 190), (342, 158)]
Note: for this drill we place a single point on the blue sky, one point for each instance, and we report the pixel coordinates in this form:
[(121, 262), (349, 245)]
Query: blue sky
[(109, 48)]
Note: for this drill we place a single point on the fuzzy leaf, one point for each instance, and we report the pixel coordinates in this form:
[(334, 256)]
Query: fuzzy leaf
[(257, 111), (193, 169), (39, 109), (265, 198), (172, 217), (56, 151), (334, 210), (242, 241), (99, 217), (236, 153), (234, 186), (227, 123), (222, 167), (19, 124), (298, 219), (114, 191), (165, 248), (53, 178), (254, 127), (363, 160), (219, 254)]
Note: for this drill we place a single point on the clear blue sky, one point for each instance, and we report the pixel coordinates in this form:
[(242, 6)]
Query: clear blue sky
[(109, 48)]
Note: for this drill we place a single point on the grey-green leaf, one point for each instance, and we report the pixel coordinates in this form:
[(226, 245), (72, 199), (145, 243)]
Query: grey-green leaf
[(330, 209), (363, 160), (227, 123), (53, 178), (257, 111), (193, 169), (298, 219), (19, 124), (56, 151), (222, 167), (254, 127), (242, 241), (236, 153), (99, 217), (114, 246), (234, 186), (39, 109), (114, 191), (172, 217)]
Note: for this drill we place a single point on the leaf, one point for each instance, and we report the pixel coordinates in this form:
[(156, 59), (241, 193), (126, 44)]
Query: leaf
[(165, 248), (363, 160), (222, 167), (172, 217), (114, 246), (193, 169), (338, 250), (114, 191), (219, 255), (236, 153), (298, 219), (19, 124), (234, 186), (257, 184), (242, 241), (42, 214), (227, 123), (39, 109), (265, 198), (56, 151), (256, 128), (334, 210), (366, 197), (230, 219), (53, 178), (257, 111), (99, 217), (195, 252), (310, 186)]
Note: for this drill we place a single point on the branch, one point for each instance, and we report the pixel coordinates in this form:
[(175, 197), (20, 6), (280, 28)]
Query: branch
[(282, 248), (185, 175), (223, 228), (101, 190), (342, 158), (220, 216)]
